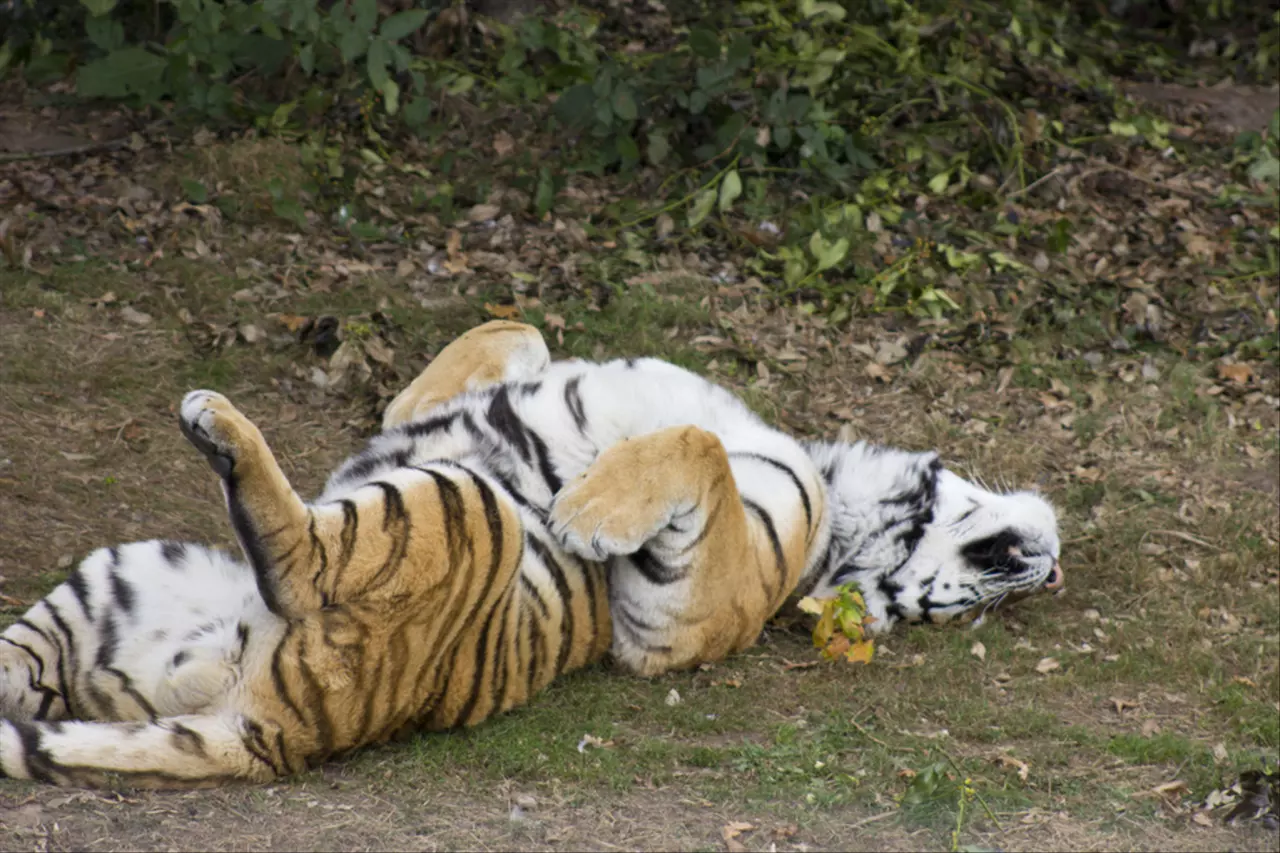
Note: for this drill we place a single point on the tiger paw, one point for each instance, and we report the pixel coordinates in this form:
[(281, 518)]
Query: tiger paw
[(633, 492), (216, 428), (595, 519)]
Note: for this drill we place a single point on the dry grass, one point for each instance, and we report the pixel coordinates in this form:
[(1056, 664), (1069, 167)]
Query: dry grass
[(1169, 516)]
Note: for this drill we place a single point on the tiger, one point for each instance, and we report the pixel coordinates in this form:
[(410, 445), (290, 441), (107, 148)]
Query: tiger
[(514, 519)]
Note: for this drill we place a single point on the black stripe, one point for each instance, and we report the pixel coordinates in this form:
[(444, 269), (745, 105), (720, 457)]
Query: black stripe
[(187, 741), (632, 625), (121, 593), (108, 642), (316, 545), (537, 643), (256, 745), (454, 510), (543, 553), (35, 676), (393, 513), (503, 418), (786, 469), (772, 533), (242, 638), (315, 699), (573, 399), (126, 684), (39, 765), (252, 545), (277, 677), (545, 467), (531, 591), (500, 651), (418, 429), (59, 663), (654, 570), (172, 552), (477, 679), (350, 529), (80, 586)]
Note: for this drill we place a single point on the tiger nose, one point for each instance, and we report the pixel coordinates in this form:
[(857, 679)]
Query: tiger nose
[(1054, 582)]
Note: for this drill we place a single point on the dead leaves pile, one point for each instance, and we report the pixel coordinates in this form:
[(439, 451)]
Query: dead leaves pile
[(841, 628)]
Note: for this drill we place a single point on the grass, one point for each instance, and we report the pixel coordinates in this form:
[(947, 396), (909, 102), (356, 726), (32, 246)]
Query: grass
[(1182, 628)]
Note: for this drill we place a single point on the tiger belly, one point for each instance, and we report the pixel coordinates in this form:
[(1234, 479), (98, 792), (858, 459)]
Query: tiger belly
[(137, 631)]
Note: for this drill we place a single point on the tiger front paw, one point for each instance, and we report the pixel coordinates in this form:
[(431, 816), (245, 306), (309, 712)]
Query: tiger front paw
[(217, 429)]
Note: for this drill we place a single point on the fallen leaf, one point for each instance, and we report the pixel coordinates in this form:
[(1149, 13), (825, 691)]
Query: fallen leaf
[(1047, 665), (481, 212), (1122, 704), (1150, 727), (1172, 791), (593, 741), (730, 832), (1202, 819), (502, 312), (979, 651), (1237, 373), (787, 665), (503, 144), (1220, 754), (1008, 761), (134, 316), (673, 697)]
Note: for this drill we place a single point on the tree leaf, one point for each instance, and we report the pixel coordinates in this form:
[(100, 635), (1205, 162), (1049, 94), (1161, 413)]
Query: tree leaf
[(377, 61), (658, 148), (861, 652), (701, 207), (402, 24), (624, 103), (730, 189), (124, 72), (98, 8), (704, 43)]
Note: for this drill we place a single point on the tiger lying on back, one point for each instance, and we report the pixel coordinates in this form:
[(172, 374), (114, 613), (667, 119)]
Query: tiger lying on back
[(515, 519)]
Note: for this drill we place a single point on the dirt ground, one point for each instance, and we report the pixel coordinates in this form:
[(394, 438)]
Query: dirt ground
[(119, 293)]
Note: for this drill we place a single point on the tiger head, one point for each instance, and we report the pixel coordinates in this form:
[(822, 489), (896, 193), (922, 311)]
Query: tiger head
[(924, 544)]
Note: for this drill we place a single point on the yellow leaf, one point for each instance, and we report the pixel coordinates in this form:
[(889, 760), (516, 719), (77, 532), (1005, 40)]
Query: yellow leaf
[(860, 652), (503, 312), (810, 605), (825, 628), (838, 646)]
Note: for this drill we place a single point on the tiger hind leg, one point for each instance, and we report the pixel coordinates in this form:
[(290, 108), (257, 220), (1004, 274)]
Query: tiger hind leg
[(32, 671), (176, 752), (694, 569), (497, 351)]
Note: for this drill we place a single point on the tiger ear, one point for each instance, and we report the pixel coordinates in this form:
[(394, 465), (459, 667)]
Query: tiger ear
[(846, 434)]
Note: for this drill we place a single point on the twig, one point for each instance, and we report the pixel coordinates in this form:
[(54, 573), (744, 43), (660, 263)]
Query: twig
[(874, 818), (74, 150), (976, 795), (1038, 181), (1104, 166), (868, 735), (68, 151), (1194, 540)]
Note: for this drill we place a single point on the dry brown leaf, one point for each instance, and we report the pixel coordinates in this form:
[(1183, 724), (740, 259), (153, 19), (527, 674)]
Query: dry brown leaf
[(1202, 818), (1008, 761), (1150, 728), (503, 144), (1047, 665), (481, 212), (1237, 373), (1121, 705), (979, 651), (1172, 791), (730, 832), (502, 312)]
